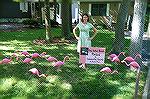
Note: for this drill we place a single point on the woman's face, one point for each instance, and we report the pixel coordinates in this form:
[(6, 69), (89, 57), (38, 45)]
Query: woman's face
[(85, 18)]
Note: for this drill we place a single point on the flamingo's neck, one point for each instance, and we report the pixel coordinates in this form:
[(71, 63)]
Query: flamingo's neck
[(10, 58), (137, 55), (17, 57), (126, 63), (115, 71), (42, 75), (120, 54), (65, 58)]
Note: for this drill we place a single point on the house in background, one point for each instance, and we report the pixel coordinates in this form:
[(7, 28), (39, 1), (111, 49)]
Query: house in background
[(15, 11), (75, 12), (105, 10), (100, 11), (10, 10)]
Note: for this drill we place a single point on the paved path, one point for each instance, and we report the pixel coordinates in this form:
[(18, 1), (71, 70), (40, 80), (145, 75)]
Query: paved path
[(12, 26)]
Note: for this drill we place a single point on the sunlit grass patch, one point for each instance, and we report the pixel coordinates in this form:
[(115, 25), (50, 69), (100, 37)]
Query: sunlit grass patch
[(93, 72), (53, 78), (25, 87), (7, 83), (66, 86), (6, 48)]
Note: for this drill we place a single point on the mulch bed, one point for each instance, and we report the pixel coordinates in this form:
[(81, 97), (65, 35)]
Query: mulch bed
[(54, 41)]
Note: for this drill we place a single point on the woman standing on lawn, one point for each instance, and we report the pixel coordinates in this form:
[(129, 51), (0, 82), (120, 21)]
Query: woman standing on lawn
[(84, 39)]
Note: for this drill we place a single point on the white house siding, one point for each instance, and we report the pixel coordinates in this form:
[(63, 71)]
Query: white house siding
[(24, 6), (58, 18), (75, 11)]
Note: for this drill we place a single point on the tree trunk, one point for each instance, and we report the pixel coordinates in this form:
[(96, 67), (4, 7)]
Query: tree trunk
[(70, 17), (138, 27), (137, 33), (65, 19), (55, 10), (47, 21), (40, 14), (148, 30), (119, 30)]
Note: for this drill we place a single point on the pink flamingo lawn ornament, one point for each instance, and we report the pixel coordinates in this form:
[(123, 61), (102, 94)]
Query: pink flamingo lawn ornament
[(115, 58), (36, 72), (43, 54), (25, 53), (129, 59), (15, 55), (6, 61), (133, 65), (27, 60), (35, 55), (51, 59), (108, 70), (58, 64), (111, 56)]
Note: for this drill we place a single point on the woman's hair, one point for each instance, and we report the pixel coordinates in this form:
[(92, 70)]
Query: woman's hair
[(85, 14)]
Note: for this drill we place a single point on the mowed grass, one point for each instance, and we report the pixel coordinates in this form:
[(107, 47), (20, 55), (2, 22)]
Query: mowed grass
[(16, 81)]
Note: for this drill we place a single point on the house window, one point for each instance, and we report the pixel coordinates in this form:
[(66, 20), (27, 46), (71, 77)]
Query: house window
[(24, 6), (57, 9), (99, 9)]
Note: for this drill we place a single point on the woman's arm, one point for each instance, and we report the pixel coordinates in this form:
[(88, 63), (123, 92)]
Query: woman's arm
[(95, 33), (74, 32)]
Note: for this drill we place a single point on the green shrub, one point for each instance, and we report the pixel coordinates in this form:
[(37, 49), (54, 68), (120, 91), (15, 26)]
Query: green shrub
[(31, 22)]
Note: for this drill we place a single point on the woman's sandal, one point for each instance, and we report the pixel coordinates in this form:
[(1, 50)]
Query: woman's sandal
[(83, 67)]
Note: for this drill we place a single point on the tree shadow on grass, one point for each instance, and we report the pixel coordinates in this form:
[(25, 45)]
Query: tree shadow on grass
[(99, 88), (84, 84), (22, 36)]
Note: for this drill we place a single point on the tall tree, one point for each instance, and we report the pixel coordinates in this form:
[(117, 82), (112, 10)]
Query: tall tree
[(40, 13), (148, 30), (47, 21), (47, 18), (119, 30), (55, 9), (65, 18), (70, 16), (137, 35), (138, 27)]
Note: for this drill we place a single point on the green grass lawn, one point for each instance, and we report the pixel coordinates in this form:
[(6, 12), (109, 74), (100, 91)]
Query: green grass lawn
[(16, 81)]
